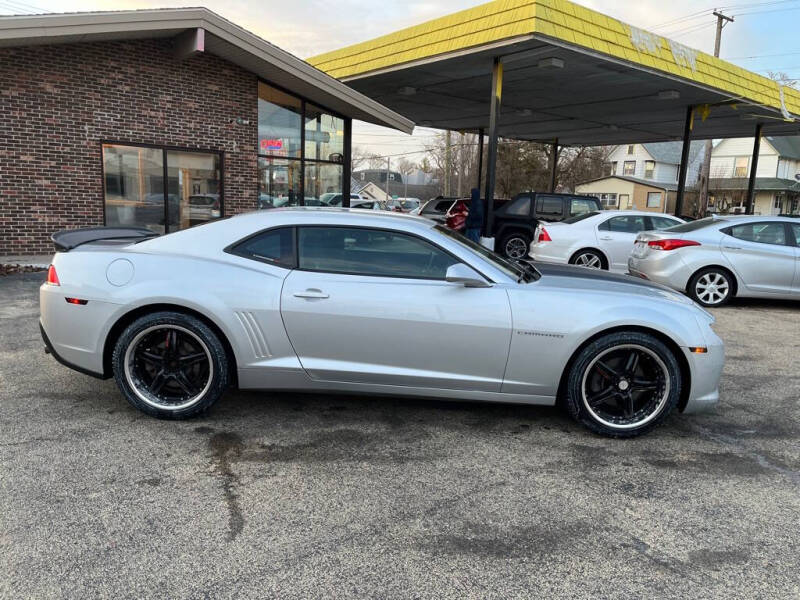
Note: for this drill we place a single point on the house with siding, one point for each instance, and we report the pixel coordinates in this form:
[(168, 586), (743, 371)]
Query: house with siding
[(777, 185), (644, 176)]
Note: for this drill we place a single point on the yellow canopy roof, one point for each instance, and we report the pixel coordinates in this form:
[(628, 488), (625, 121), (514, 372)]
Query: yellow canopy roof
[(514, 26)]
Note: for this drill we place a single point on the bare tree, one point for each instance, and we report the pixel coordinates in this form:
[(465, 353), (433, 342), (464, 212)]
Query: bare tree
[(782, 78)]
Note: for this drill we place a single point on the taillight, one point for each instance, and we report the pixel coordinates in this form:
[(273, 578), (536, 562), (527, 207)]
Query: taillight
[(544, 236), (215, 206), (52, 276), (671, 244)]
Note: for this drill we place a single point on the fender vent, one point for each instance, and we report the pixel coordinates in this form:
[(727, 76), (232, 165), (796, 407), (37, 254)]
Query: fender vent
[(254, 334)]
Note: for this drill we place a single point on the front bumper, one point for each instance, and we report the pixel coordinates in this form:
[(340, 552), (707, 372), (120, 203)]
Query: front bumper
[(706, 370)]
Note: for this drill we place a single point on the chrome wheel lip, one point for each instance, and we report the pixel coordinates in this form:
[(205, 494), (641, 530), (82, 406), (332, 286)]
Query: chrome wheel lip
[(516, 247), (146, 396), (659, 406), (589, 260), (712, 288)]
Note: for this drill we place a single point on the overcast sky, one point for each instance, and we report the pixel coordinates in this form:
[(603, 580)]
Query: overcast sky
[(763, 37)]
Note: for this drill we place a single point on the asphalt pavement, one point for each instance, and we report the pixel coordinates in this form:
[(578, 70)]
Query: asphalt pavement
[(312, 496)]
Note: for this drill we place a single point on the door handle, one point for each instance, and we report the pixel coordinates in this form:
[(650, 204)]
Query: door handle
[(732, 247), (311, 293), (607, 238)]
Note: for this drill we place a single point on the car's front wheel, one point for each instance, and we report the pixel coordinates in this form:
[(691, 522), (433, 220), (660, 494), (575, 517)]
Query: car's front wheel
[(170, 365), (623, 384)]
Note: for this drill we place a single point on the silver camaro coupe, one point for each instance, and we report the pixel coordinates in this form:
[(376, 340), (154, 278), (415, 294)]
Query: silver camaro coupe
[(338, 300)]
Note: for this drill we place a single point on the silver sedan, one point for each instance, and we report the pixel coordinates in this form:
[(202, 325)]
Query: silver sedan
[(354, 301), (715, 259)]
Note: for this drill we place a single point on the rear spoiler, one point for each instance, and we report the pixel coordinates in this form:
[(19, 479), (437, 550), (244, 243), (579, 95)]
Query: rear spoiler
[(68, 239)]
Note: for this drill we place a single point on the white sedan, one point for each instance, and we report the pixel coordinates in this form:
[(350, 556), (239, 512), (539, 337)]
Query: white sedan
[(599, 239)]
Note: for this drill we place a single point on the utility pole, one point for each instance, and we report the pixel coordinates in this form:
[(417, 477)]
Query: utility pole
[(447, 163), (705, 173), (460, 160)]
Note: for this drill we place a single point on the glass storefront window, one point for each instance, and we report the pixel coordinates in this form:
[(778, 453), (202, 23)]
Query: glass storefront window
[(193, 180), (279, 122), (323, 184), (278, 182), (324, 135), (135, 189), (134, 186)]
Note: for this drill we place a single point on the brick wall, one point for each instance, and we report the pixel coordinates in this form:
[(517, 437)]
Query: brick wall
[(57, 103)]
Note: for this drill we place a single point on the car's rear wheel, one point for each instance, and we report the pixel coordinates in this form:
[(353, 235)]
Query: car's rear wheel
[(711, 287), (588, 258), (170, 365), (623, 384), (515, 245)]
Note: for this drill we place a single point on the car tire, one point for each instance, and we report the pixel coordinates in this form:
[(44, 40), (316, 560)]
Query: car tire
[(170, 365), (711, 287), (591, 259), (618, 396), (515, 245)]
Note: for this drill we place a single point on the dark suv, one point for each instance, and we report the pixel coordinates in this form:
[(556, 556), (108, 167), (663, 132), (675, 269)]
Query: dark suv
[(515, 222)]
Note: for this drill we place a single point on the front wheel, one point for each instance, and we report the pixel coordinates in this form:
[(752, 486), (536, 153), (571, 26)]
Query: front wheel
[(515, 245), (623, 384), (170, 365)]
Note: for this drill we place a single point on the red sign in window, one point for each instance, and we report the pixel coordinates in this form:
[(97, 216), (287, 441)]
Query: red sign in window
[(271, 144)]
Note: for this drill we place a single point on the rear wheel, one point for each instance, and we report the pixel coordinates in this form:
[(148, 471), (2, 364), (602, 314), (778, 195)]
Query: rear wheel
[(711, 287), (170, 365), (623, 384), (516, 245), (588, 258)]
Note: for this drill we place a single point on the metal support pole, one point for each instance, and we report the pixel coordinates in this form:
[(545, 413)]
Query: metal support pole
[(447, 163), (687, 142), (480, 156), (751, 184), (347, 160), (388, 166), (553, 166), (491, 158)]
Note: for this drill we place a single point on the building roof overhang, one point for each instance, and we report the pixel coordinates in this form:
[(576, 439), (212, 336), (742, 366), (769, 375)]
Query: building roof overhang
[(219, 37), (569, 73)]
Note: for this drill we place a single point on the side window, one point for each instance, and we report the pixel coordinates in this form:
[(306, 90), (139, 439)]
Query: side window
[(578, 206), (663, 222), (762, 233), (796, 231), (626, 224), (373, 252), (275, 246), (549, 206), (521, 207)]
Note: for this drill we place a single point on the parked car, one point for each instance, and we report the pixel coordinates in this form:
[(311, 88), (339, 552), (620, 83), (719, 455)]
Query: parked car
[(718, 258), (334, 199), (515, 222), (435, 209), (597, 239), (405, 205), (297, 300), (203, 207), (367, 204)]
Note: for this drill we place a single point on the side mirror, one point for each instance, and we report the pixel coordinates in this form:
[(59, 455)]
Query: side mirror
[(461, 273)]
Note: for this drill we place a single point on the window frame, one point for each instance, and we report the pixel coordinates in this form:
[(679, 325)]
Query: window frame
[(606, 225), (384, 229), (652, 171), (624, 167), (746, 166), (232, 248), (346, 154), (652, 224), (164, 150), (542, 198), (647, 200)]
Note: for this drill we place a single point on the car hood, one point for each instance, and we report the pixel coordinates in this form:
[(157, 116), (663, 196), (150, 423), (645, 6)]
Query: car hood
[(594, 280)]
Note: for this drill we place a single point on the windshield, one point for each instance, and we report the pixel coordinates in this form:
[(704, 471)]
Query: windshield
[(580, 217), (518, 271)]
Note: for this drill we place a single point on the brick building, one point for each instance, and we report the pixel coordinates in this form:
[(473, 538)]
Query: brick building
[(162, 119)]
